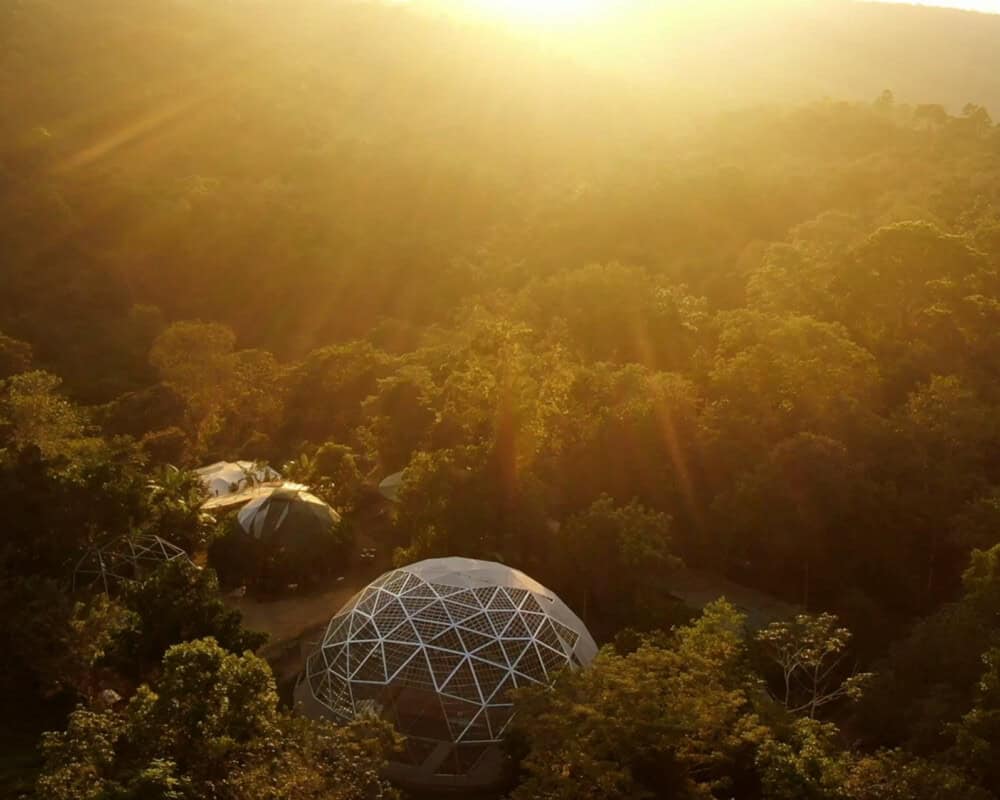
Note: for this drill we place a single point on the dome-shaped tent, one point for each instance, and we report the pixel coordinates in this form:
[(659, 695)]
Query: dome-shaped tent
[(285, 536), (229, 477), (436, 648), (126, 558), (390, 486), (289, 513)]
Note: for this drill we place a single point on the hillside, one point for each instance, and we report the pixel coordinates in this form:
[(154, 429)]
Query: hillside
[(148, 149), (686, 325)]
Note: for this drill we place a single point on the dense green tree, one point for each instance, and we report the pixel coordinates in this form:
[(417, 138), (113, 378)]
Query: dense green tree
[(210, 727), (895, 775), (978, 734), (15, 356), (690, 726), (326, 391), (810, 654), (897, 291), (929, 679), (333, 471), (614, 561), (463, 502), (774, 376), (180, 602), (793, 521), (51, 643), (34, 413), (399, 417)]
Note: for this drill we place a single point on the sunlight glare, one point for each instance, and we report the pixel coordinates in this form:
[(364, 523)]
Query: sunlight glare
[(545, 12)]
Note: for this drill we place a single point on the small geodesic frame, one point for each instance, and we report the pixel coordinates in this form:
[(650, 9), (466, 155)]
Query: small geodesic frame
[(124, 559), (436, 647)]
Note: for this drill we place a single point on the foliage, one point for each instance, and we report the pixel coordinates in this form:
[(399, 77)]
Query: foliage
[(34, 414), (810, 652), (54, 644), (978, 734), (180, 602), (210, 727), (690, 726), (604, 323), (174, 500), (332, 472), (15, 356), (615, 560)]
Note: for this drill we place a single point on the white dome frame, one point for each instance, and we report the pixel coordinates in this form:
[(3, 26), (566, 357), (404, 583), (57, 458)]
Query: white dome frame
[(436, 647), (123, 559)]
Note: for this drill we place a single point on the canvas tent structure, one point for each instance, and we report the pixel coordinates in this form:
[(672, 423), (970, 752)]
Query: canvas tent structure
[(287, 512), (390, 486), (229, 477), (285, 536), (436, 647), (228, 502), (126, 558)]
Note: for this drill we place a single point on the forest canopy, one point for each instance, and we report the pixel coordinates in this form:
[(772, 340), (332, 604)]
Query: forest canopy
[(609, 324)]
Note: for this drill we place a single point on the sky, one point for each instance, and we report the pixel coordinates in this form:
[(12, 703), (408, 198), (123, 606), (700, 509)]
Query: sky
[(992, 6)]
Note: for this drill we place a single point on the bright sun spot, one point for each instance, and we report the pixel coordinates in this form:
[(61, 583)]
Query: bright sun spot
[(545, 12)]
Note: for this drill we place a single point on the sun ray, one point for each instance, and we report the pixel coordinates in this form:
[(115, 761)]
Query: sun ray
[(544, 12)]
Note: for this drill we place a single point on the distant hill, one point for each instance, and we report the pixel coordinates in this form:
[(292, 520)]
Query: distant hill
[(222, 159), (736, 51), (852, 50)]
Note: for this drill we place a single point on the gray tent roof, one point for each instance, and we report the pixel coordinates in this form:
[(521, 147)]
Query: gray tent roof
[(287, 512)]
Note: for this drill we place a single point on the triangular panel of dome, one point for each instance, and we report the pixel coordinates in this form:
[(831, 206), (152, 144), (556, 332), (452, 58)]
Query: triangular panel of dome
[(414, 604), (480, 622), (448, 640), (372, 670), (416, 672), (492, 651), (443, 663), (530, 665), (567, 634), (488, 676), (420, 590), (500, 620), (462, 684), (547, 635), (384, 599), (357, 652), (532, 621), (396, 581), (501, 600), (388, 617), (499, 717), (502, 692), (531, 604), (460, 611), (514, 649), (472, 640), (553, 660), (517, 629), (435, 612), (478, 730), (427, 630), (396, 656), (485, 595), (403, 632), (366, 632)]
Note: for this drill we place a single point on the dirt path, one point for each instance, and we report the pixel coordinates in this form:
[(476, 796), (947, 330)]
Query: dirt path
[(288, 618)]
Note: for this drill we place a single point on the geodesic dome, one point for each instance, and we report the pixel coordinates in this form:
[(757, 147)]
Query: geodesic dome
[(126, 558), (436, 647)]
